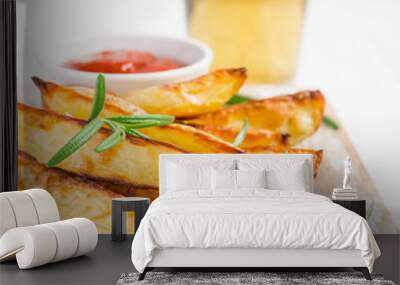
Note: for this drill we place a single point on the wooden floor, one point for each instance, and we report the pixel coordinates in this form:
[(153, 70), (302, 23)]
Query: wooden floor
[(110, 260)]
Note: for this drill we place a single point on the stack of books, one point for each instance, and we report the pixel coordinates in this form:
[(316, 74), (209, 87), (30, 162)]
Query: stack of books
[(344, 194)]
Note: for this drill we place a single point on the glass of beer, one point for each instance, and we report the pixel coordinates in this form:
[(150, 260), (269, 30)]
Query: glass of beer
[(261, 35)]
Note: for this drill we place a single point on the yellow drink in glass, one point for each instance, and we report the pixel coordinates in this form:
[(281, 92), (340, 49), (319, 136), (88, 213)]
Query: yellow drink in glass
[(261, 35)]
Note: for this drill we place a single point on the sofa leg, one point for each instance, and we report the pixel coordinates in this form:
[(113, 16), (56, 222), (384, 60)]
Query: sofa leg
[(142, 275), (364, 271)]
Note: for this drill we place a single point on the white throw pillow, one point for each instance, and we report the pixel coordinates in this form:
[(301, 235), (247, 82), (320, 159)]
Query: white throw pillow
[(223, 179), (292, 179), (183, 178), (282, 174), (251, 178)]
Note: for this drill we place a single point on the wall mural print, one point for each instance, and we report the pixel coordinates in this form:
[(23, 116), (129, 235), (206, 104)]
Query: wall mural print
[(96, 108)]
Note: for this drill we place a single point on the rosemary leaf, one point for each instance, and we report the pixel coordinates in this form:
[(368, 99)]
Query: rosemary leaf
[(237, 99), (113, 126), (329, 122), (82, 137), (162, 119), (136, 133), (144, 124), (242, 134), (99, 97), (115, 138)]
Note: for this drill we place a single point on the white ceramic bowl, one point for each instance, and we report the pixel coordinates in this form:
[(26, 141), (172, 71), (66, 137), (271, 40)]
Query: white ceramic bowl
[(195, 56)]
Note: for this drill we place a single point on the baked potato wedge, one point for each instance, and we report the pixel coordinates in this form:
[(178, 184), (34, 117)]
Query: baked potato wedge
[(75, 196), (318, 154), (201, 95), (254, 137), (133, 161), (190, 139), (77, 102), (298, 115)]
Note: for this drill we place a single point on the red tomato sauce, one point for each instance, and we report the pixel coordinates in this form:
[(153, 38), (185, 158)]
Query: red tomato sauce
[(123, 61)]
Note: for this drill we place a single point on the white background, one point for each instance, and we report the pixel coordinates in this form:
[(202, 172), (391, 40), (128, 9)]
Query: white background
[(351, 51)]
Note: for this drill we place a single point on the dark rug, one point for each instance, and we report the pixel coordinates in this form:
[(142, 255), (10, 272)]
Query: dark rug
[(229, 278)]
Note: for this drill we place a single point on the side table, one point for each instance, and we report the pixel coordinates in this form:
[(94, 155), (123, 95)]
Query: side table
[(357, 206), (120, 206)]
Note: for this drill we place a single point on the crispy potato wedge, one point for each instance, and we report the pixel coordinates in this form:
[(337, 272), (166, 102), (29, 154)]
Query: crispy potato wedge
[(198, 96), (75, 196), (77, 102), (318, 154), (190, 139), (134, 161), (254, 137), (298, 115)]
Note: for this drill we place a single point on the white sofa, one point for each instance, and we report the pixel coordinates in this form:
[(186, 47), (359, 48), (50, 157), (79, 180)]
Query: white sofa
[(31, 231)]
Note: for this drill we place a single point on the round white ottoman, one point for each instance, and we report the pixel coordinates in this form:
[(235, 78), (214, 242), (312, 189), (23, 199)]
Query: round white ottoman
[(40, 244), (31, 232)]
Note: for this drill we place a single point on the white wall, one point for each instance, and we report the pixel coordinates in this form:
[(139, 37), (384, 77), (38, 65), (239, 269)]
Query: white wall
[(351, 50)]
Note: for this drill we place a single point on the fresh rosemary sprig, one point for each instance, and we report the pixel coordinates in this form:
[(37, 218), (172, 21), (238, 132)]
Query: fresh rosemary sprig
[(242, 133), (120, 126)]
